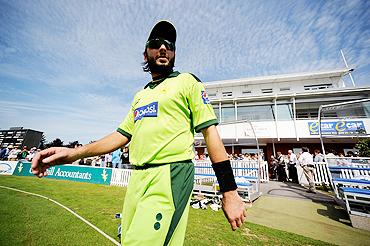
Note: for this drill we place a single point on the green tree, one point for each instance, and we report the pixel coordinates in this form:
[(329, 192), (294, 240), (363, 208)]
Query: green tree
[(364, 147), (55, 143), (73, 144), (42, 142)]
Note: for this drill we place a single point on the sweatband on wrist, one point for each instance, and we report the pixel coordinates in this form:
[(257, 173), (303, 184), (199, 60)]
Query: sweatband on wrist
[(225, 176)]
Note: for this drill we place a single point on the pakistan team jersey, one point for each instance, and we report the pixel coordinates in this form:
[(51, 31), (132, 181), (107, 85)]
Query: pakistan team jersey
[(163, 118)]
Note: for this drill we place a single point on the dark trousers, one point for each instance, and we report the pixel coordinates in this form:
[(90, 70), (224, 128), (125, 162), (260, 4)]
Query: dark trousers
[(281, 173), (293, 175)]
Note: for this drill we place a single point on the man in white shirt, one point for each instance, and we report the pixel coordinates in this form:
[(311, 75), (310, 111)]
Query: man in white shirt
[(306, 162), (318, 156)]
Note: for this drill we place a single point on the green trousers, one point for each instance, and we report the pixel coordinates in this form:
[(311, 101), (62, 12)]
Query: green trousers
[(156, 206)]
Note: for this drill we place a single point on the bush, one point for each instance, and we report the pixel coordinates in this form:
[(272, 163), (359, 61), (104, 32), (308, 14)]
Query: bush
[(364, 147)]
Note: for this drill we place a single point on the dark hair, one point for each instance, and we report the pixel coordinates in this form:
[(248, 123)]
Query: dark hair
[(332, 151), (145, 64), (305, 149)]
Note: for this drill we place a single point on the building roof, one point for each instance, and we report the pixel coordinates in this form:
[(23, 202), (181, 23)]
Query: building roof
[(279, 78), (348, 91)]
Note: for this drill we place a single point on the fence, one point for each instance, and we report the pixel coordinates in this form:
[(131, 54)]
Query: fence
[(245, 168), (241, 168), (321, 173), (120, 177)]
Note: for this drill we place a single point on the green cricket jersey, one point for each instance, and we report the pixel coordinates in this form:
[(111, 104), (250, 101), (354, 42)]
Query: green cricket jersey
[(163, 118)]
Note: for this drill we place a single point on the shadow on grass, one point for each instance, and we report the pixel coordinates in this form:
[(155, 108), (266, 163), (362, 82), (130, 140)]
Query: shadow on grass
[(336, 213), (332, 211)]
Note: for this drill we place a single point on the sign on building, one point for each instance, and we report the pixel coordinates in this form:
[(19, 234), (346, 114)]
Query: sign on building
[(337, 128)]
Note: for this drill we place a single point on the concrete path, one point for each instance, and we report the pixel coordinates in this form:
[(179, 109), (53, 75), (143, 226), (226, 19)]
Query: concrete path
[(289, 207), (288, 189)]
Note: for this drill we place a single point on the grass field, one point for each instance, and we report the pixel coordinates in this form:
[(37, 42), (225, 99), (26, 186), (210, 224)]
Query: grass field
[(30, 220)]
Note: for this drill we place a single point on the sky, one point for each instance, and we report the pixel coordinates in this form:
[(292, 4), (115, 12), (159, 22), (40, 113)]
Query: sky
[(71, 68)]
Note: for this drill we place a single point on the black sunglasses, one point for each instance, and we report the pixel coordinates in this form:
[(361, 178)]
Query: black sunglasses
[(156, 43)]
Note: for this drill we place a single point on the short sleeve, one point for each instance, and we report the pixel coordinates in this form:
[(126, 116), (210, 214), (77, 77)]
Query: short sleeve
[(201, 108), (127, 126)]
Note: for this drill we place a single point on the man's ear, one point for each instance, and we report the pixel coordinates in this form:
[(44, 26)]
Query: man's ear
[(145, 56)]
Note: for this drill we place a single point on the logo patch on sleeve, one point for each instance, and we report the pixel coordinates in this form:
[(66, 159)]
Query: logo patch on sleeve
[(150, 110), (205, 97)]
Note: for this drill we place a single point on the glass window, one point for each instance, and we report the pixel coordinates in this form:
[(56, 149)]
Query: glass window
[(366, 107), (263, 112), (317, 87), (358, 110), (269, 90), (217, 111), (310, 111), (284, 111), (227, 113)]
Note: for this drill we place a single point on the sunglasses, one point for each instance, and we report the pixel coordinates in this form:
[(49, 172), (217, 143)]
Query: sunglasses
[(157, 43)]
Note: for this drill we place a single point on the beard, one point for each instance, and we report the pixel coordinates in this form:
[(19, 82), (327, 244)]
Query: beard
[(162, 69)]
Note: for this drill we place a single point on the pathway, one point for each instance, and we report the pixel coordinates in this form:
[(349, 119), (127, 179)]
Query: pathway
[(289, 207)]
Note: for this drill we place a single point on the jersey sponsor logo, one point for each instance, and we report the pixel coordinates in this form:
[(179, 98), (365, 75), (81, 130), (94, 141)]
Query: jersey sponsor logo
[(149, 110), (205, 97)]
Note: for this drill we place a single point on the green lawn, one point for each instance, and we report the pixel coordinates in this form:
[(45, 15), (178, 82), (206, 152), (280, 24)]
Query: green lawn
[(29, 220)]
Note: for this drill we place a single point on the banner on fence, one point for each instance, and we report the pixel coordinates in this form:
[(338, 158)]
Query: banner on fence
[(7, 167), (70, 172)]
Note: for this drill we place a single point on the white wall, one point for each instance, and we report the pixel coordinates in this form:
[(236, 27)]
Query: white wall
[(267, 129)]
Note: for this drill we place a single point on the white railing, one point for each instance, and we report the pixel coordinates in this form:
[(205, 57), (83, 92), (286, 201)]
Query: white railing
[(120, 177), (321, 173), (241, 168)]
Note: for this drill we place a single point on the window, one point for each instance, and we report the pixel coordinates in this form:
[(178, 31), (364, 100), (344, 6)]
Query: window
[(246, 92), (317, 87), (361, 110), (266, 90), (227, 94), (263, 112), (217, 111), (212, 94), (308, 110), (284, 111), (285, 89), (227, 113)]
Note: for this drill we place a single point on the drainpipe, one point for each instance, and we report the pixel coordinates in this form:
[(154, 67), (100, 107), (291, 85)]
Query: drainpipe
[(219, 111), (276, 119), (236, 119), (295, 118)]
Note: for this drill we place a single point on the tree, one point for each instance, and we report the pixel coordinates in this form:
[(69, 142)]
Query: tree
[(55, 143), (364, 147), (73, 144), (42, 142)]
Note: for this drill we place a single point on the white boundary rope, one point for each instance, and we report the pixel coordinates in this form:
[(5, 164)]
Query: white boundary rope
[(69, 210)]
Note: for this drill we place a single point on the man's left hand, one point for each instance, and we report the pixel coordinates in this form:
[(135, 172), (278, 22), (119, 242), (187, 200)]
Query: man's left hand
[(234, 209)]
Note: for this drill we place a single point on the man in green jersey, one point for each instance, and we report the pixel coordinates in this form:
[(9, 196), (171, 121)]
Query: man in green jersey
[(160, 128)]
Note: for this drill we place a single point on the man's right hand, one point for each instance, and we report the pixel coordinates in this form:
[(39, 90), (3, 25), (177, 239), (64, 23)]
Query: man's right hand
[(51, 157)]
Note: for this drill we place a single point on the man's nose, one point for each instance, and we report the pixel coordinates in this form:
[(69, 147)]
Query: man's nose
[(162, 47)]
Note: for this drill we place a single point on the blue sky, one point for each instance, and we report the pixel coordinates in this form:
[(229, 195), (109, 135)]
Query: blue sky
[(71, 68)]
